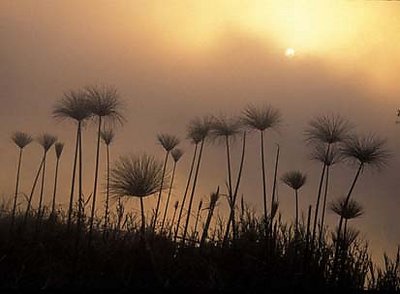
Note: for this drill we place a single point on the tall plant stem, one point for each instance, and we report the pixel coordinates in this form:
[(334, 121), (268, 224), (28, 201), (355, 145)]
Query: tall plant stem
[(160, 192), (172, 222), (80, 199), (169, 196), (192, 192), (273, 201), (228, 161), (53, 203), (275, 179), (186, 192), (208, 222), (321, 233), (16, 190), (39, 213), (71, 197), (106, 212), (339, 237), (350, 192), (308, 236), (232, 202), (319, 197), (32, 192), (143, 226), (96, 175), (297, 212), (195, 234), (263, 175)]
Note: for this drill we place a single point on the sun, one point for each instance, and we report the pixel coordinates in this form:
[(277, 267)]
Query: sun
[(290, 52)]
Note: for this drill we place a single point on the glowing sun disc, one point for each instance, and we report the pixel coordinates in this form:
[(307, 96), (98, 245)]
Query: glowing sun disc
[(289, 52)]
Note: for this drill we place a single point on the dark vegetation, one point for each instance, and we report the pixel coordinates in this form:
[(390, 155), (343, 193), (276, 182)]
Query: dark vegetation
[(184, 245)]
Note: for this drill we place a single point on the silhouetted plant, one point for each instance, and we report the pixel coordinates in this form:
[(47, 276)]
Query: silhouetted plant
[(295, 180), (28, 207), (326, 130), (105, 106), (168, 142), (75, 106), (274, 194), (225, 129), (137, 176), (107, 136), (58, 147), (261, 119), (20, 139), (195, 233), (350, 210), (176, 156), (388, 278), (212, 203), (232, 199), (46, 141), (198, 131), (176, 205), (365, 151), (327, 158), (196, 134)]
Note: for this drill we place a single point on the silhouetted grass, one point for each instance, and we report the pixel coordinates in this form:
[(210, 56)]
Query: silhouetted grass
[(50, 258)]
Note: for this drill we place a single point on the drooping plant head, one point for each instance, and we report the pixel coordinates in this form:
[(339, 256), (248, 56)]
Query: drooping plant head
[(327, 129), (46, 141), (104, 101), (366, 150), (262, 117), (176, 154), (168, 142), (353, 209), (223, 127), (73, 105), (328, 157), (136, 176), (21, 139), (294, 179), (59, 147), (199, 129), (107, 136)]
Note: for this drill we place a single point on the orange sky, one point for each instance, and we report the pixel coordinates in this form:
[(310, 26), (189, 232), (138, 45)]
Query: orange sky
[(173, 60)]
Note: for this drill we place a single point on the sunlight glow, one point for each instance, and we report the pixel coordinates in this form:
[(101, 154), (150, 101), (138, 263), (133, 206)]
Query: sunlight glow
[(290, 52)]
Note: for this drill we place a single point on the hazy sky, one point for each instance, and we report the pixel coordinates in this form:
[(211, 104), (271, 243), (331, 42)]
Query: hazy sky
[(173, 60)]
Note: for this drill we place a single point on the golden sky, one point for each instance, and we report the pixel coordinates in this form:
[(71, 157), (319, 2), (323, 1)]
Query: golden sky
[(173, 60)]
